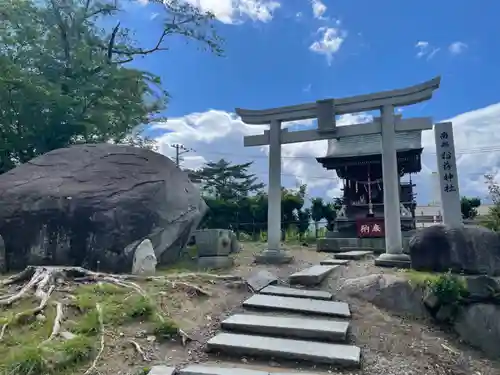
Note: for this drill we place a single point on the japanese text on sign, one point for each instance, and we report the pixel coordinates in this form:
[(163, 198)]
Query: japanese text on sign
[(370, 229), (366, 229), (446, 156)]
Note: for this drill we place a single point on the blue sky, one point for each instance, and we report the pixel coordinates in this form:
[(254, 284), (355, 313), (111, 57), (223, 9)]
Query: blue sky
[(281, 52)]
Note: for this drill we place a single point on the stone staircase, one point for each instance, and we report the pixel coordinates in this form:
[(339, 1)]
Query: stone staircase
[(284, 322)]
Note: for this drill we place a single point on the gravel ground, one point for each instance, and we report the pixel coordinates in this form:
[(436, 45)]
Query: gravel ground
[(390, 345)]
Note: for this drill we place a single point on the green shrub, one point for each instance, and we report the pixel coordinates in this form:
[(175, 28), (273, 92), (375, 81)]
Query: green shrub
[(448, 288), (165, 328)]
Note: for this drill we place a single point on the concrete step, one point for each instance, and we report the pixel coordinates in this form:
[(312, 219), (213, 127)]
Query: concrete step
[(311, 276), (216, 370), (290, 327), (334, 262), (298, 305), (294, 292), (353, 255), (161, 370), (359, 248), (298, 350), (261, 279)]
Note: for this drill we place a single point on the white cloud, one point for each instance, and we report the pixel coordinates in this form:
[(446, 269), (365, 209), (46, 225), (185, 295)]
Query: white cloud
[(218, 134), (330, 42), (318, 8), (234, 11), (457, 48), (425, 49)]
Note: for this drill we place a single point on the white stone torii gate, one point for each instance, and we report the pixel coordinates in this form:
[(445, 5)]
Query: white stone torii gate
[(325, 111)]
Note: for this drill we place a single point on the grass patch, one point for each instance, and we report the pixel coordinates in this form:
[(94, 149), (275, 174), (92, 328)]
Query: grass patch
[(419, 278), (165, 329), (53, 359), (449, 288), (119, 306)]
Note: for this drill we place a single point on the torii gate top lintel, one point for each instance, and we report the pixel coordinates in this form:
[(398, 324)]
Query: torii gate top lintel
[(396, 98)]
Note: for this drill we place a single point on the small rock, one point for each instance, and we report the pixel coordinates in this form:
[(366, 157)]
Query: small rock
[(151, 338), (140, 334), (41, 318), (67, 335)]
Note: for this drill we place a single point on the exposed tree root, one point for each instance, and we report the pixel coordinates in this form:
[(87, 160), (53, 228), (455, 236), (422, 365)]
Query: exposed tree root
[(24, 275), (2, 332), (56, 328), (185, 338), (44, 280), (91, 369), (139, 350)]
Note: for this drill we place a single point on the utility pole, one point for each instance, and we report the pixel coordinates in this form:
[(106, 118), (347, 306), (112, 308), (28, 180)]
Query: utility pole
[(180, 150)]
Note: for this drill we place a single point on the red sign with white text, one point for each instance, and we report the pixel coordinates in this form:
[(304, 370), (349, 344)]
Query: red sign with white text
[(370, 227)]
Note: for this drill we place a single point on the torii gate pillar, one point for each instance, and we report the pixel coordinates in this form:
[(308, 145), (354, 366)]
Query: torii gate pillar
[(274, 254)]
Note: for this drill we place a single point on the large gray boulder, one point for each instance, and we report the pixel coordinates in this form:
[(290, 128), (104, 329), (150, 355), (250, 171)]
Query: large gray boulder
[(470, 249), (390, 292), (479, 326), (92, 205)]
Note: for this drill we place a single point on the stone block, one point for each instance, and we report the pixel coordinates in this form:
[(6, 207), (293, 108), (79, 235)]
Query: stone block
[(273, 257), (259, 280), (353, 255), (311, 276), (162, 370), (298, 350), (214, 242), (334, 262), (215, 262), (298, 305), (392, 263), (290, 327), (294, 292), (215, 370)]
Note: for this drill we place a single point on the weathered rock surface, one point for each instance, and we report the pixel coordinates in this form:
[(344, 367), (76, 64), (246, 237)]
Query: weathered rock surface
[(3, 265), (479, 326), (482, 288), (470, 249), (91, 205), (390, 292)]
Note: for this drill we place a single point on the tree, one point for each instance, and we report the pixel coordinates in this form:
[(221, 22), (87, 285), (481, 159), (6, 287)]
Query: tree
[(469, 206), (317, 212), (64, 79), (492, 219), (303, 221), (330, 212), (229, 181)]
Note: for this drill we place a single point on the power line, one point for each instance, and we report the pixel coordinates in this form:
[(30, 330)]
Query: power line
[(180, 150), (471, 151)]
